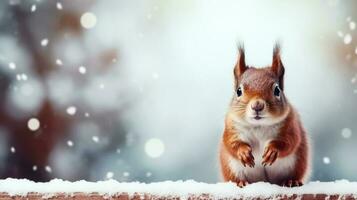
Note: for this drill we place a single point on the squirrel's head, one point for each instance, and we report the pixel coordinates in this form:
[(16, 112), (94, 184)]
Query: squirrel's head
[(259, 92)]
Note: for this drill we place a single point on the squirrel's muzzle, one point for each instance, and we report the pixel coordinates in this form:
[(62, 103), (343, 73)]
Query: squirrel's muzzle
[(258, 105)]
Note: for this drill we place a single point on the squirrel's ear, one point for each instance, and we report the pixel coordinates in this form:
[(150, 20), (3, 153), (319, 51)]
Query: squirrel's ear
[(277, 66), (240, 65)]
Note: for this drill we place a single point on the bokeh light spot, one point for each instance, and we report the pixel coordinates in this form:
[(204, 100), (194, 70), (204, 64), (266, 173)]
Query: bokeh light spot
[(33, 124), (154, 147), (88, 20)]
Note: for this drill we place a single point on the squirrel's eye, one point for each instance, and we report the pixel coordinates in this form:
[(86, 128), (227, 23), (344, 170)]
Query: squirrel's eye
[(277, 91), (239, 92)]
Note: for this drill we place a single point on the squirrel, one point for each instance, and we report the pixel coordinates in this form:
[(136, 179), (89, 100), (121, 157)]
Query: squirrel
[(263, 139)]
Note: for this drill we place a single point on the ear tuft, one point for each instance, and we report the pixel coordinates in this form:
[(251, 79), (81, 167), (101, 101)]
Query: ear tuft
[(277, 66), (240, 65)]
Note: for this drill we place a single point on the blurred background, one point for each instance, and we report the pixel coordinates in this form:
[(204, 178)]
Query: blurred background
[(137, 90)]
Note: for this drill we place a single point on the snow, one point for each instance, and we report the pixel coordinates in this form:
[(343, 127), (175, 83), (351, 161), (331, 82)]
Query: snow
[(44, 42), (70, 143), (71, 110), (326, 160), (82, 69), (21, 77), (13, 150), (101, 86), (59, 6), (109, 175), (88, 20), (12, 65), (126, 174), (59, 62), (352, 25), (48, 169), (34, 168), (95, 139), (33, 124), (347, 39), (33, 8), (346, 133), (154, 147), (174, 188), (340, 34)]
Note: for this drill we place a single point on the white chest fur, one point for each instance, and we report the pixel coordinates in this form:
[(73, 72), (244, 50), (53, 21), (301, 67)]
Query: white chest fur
[(258, 138)]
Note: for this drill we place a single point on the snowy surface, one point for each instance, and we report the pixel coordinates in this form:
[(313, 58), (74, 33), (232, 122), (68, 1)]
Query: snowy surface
[(173, 188)]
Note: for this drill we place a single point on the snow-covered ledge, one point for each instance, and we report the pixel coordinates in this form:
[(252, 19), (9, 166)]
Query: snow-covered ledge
[(59, 189)]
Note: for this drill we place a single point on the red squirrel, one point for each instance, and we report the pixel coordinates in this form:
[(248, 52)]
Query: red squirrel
[(263, 139)]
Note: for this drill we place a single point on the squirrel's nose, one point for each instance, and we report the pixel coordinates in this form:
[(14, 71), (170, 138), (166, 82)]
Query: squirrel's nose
[(258, 106)]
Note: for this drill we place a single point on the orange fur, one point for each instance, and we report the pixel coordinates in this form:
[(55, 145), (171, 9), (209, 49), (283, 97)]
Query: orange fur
[(290, 138)]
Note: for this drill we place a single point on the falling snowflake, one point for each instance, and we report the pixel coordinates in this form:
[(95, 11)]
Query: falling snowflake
[(33, 8), (352, 25), (86, 114), (71, 110), (126, 174), (356, 50), (326, 160), (88, 20), (59, 62), (346, 133), (154, 147), (13, 150), (340, 34), (70, 143), (82, 69), (24, 77), (95, 139), (118, 151), (33, 124), (347, 39), (44, 42), (12, 65), (34, 168), (148, 174), (21, 77), (109, 175), (59, 6), (48, 169), (101, 86)]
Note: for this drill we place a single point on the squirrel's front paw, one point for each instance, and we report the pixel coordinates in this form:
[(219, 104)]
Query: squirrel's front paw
[(242, 183), (270, 155), (291, 183), (244, 154)]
